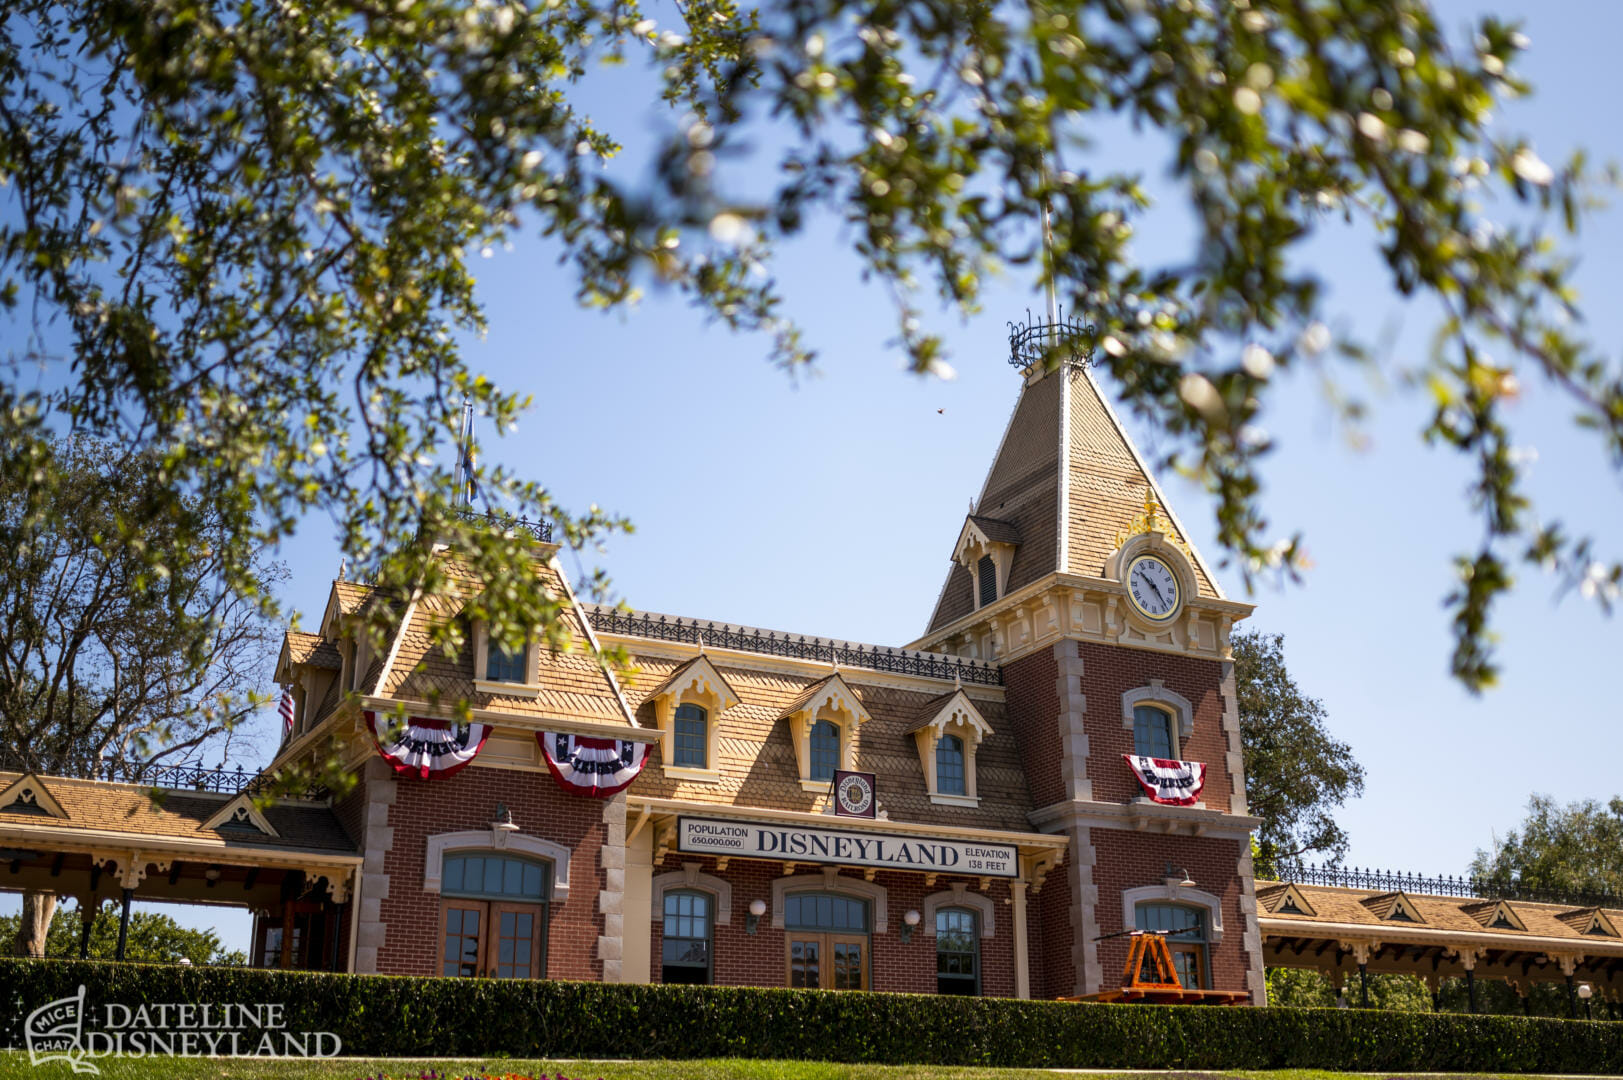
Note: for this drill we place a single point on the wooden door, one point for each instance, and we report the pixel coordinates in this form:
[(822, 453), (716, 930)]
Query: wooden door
[(805, 961), (464, 925), (847, 968), (514, 941)]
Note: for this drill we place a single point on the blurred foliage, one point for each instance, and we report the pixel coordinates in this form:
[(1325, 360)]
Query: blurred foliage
[(1577, 847), (154, 938), (239, 235)]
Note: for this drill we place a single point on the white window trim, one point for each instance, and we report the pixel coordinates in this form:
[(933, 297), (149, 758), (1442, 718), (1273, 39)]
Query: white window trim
[(972, 544), (957, 717), (959, 896), (839, 705), (690, 879), (829, 881), (702, 685), (1169, 891), (1183, 714), (501, 843), (530, 687)]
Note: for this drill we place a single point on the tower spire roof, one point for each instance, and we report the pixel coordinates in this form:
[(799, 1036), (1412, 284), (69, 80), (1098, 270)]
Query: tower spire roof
[(1068, 481)]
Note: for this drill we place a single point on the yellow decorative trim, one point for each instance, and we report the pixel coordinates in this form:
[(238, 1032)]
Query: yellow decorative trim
[(1151, 521)]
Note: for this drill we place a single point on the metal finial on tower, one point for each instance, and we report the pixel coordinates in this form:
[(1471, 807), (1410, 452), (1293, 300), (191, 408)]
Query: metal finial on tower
[(467, 488), (1052, 340)]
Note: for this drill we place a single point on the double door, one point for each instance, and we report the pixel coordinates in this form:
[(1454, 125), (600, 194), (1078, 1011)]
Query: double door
[(492, 938), (827, 961)]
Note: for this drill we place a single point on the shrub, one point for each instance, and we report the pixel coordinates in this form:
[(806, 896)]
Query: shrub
[(378, 1016)]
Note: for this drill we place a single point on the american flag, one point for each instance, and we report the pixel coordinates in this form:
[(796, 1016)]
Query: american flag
[(286, 709)]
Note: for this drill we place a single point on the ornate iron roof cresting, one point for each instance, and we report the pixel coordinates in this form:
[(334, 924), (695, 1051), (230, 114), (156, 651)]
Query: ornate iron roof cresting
[(1035, 341)]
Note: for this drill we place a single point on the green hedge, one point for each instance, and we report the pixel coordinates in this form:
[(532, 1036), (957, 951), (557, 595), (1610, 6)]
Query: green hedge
[(378, 1016)]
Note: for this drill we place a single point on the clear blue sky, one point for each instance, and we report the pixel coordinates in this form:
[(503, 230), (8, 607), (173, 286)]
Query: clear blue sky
[(828, 505)]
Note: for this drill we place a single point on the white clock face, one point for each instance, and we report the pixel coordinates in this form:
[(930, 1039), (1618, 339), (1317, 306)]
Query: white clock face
[(1153, 587)]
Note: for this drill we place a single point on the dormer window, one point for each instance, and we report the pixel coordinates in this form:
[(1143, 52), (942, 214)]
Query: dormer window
[(947, 736), (949, 765), (986, 549), (823, 722), (825, 750), (688, 707), (692, 737)]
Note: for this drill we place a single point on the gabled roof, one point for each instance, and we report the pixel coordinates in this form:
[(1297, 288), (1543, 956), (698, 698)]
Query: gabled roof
[(998, 532), (949, 708), (701, 673), (239, 816), (1591, 922), (832, 691), (312, 649), (1394, 907), (1284, 899), (1066, 480), (1495, 915), (29, 797)]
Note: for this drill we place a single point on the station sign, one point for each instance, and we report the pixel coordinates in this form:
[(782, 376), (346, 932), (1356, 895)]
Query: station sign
[(889, 851)]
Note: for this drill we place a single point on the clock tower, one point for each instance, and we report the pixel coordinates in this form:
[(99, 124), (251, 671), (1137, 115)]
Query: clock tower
[(1074, 574)]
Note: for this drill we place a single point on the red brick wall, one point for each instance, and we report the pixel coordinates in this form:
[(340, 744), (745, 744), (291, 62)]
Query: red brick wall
[(1109, 671), (468, 801), (759, 959), (1050, 934), (1032, 693), (1129, 860)]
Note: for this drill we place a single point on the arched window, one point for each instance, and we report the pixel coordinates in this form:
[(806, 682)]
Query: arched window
[(986, 571), (1152, 732), (827, 941), (825, 750), (1185, 928), (502, 665), (686, 943), (949, 766), (957, 952), (692, 740), (494, 915)]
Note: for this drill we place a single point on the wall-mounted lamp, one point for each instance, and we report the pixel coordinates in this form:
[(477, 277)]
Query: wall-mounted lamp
[(757, 909), (212, 874), (504, 819), (909, 921), (1187, 882)]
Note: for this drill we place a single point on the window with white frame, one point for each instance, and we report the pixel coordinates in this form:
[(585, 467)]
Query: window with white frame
[(948, 737), (692, 737), (823, 723), (1152, 733), (688, 708)]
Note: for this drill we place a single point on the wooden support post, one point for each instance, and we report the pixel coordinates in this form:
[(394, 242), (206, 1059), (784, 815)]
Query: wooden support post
[(124, 923), (1572, 999), (287, 935), (87, 919), (1363, 986), (1470, 988), (337, 927)]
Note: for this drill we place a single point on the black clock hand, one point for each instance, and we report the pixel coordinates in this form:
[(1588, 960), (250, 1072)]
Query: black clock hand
[(1146, 579)]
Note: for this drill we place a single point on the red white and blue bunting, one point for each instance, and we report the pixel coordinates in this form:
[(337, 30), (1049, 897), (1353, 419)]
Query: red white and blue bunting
[(427, 749), (589, 766), (1174, 783)]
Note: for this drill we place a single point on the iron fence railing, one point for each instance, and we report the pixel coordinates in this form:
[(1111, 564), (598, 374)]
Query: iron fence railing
[(1465, 887), (1064, 340), (606, 620), (182, 777), (540, 530)]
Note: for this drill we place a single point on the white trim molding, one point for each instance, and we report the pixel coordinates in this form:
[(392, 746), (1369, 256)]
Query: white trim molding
[(959, 896), (830, 881), (499, 842), (1157, 694), (689, 877), (1169, 891)]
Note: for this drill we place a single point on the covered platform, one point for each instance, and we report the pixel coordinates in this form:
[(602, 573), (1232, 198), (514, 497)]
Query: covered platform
[(105, 841), (1348, 924)]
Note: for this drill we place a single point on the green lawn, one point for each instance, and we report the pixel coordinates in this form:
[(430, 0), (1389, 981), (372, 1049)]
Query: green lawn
[(17, 1065)]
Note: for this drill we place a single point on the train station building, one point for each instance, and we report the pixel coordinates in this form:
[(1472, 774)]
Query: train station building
[(986, 810)]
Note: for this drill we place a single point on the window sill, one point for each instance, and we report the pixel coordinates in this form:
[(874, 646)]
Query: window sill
[(508, 689), (700, 776), (956, 800), (822, 787)]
